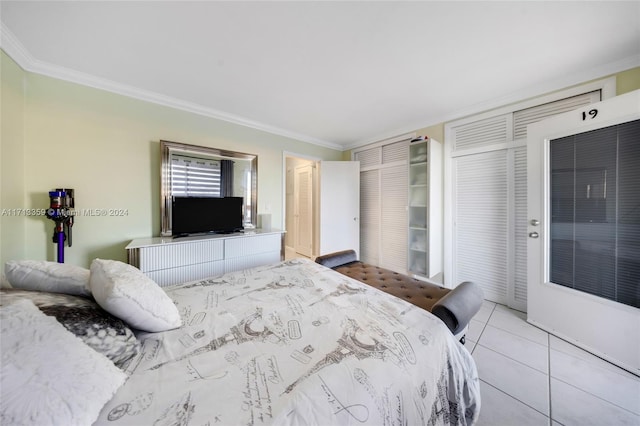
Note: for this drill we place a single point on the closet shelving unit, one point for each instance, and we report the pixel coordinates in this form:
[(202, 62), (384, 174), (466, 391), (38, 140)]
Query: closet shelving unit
[(425, 209)]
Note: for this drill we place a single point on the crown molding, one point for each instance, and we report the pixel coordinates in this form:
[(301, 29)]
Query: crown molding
[(547, 87), (12, 47), (530, 92)]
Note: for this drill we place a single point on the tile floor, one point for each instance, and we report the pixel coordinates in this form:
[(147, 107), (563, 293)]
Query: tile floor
[(529, 377)]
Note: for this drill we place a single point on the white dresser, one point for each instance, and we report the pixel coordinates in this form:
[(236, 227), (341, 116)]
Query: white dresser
[(169, 260)]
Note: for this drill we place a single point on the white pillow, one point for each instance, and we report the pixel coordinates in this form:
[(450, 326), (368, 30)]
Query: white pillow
[(48, 276), (48, 376), (124, 291)]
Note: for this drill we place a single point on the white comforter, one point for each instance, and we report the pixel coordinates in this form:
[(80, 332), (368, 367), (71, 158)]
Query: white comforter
[(291, 344)]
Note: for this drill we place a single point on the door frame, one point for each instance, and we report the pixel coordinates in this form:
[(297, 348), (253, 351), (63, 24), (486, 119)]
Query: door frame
[(315, 160), (601, 326), (309, 169)]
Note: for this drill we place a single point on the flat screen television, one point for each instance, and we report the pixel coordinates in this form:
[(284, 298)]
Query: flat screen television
[(198, 215)]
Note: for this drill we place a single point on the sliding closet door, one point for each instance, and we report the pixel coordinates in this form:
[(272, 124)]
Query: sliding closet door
[(394, 192), (370, 216), (383, 204)]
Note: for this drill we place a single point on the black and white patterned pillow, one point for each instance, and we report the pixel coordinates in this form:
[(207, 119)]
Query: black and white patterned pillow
[(83, 317)]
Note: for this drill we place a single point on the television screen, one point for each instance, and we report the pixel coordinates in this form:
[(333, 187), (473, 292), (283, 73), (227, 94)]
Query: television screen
[(194, 215)]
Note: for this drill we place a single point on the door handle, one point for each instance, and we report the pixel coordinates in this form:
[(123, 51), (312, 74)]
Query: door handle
[(533, 235)]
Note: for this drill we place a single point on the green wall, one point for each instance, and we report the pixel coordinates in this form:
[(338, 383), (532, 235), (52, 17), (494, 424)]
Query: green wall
[(106, 147), (628, 81), (12, 158)]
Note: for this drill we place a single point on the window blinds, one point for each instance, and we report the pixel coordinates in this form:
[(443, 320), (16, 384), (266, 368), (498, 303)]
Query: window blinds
[(194, 177), (595, 238)]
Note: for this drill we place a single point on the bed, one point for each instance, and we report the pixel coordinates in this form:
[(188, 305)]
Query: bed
[(294, 343)]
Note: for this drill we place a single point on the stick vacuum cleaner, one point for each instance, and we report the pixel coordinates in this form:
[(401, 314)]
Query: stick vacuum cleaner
[(61, 211)]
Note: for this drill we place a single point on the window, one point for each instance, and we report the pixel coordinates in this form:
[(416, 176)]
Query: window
[(194, 177), (595, 212)]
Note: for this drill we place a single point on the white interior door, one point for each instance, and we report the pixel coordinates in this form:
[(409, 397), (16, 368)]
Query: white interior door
[(303, 209), (339, 206), (584, 228)]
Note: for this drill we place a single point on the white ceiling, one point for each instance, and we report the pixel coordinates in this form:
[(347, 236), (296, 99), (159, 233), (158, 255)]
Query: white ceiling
[(338, 74)]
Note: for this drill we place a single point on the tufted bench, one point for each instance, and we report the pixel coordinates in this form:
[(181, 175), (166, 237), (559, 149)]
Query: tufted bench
[(455, 307)]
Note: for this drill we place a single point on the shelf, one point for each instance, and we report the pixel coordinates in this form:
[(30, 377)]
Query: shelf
[(418, 153), (418, 174), (418, 196), (424, 215)]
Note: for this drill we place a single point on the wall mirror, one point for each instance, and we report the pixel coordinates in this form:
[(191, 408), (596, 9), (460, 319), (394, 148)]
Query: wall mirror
[(198, 171)]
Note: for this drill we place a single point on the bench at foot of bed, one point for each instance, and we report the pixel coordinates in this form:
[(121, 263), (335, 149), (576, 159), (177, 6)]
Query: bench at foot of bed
[(455, 307)]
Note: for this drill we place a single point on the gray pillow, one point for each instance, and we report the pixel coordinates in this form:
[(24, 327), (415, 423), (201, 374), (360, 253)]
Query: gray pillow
[(83, 317)]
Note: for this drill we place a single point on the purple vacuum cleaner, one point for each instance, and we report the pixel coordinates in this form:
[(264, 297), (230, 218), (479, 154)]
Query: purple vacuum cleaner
[(61, 211)]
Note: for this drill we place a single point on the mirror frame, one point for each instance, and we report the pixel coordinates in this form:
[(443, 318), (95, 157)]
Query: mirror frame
[(168, 147)]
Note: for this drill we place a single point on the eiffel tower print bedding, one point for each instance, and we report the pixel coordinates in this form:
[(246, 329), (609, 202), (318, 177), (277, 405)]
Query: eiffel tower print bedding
[(296, 343)]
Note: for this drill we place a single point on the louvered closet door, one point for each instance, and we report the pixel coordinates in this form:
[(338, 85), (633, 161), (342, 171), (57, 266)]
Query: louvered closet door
[(491, 224), (394, 218), (383, 205), (370, 216), (518, 229), (480, 223), (480, 206), (517, 263), (394, 179), (489, 199)]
